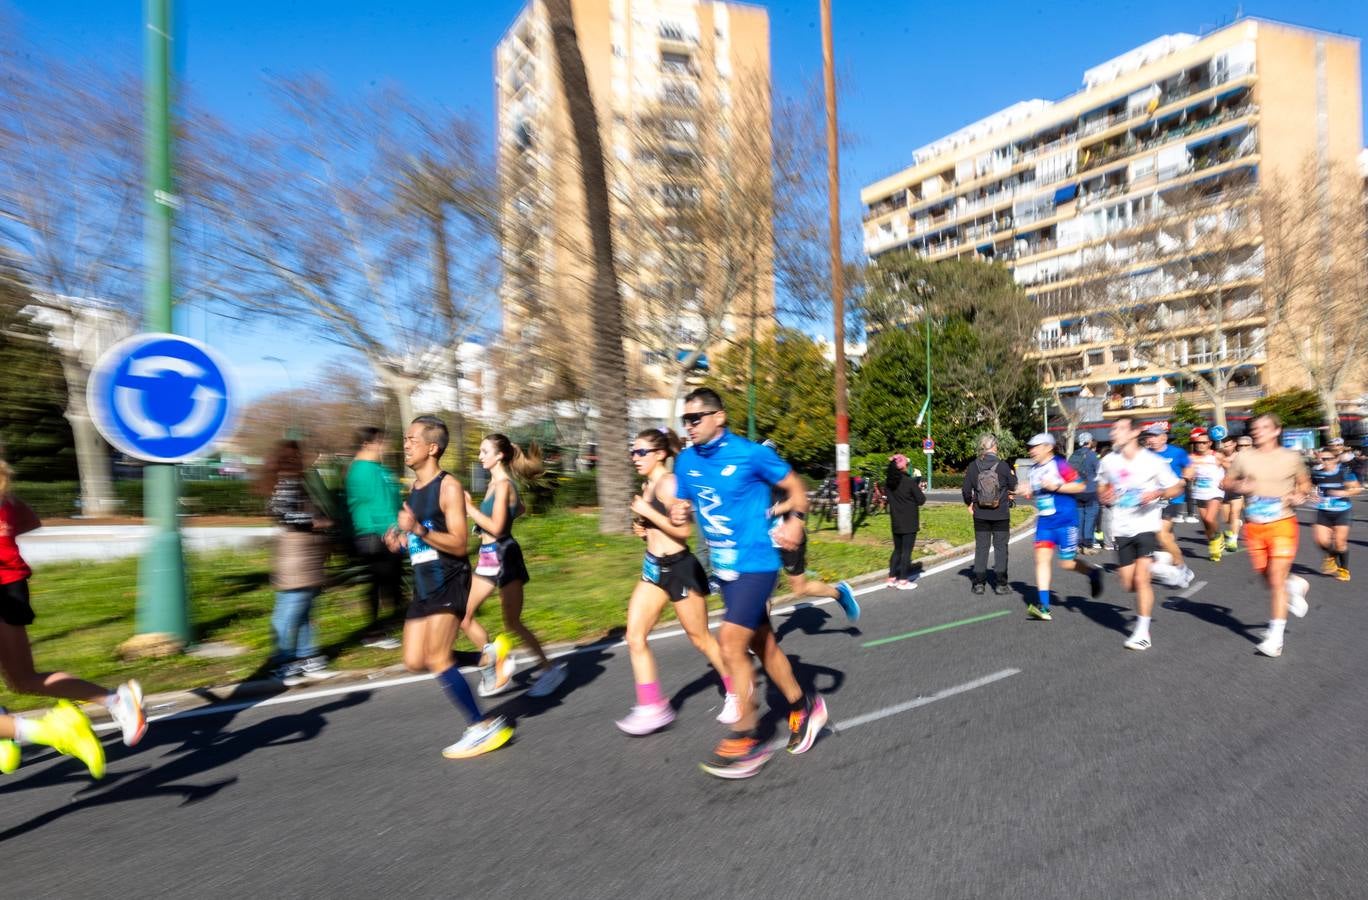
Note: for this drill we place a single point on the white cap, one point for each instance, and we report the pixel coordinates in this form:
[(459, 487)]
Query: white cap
[(1041, 438)]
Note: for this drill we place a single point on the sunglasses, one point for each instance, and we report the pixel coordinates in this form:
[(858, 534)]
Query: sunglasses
[(1201, 443), (692, 419), (639, 452)]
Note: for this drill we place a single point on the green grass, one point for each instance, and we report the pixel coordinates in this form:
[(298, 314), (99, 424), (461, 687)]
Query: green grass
[(580, 584)]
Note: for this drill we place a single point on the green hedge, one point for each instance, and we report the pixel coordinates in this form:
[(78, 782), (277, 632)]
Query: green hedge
[(580, 489), (61, 499)]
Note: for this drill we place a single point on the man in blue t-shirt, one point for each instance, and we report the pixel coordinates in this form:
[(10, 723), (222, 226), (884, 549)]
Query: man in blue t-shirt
[(1156, 435), (728, 480)]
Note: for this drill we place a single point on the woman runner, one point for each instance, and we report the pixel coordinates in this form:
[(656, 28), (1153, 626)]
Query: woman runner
[(501, 567), (1335, 483), (669, 573), (1205, 472)]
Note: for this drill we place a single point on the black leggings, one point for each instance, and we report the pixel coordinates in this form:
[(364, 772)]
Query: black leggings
[(900, 563)]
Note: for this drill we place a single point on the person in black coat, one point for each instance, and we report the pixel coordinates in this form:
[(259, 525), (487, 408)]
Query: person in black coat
[(905, 498), (992, 514)]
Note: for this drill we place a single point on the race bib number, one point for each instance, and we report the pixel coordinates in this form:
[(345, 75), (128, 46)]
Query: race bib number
[(1333, 504), (1264, 509), (774, 532), (1128, 498), (650, 569), (1045, 504), (420, 551), (488, 563), (724, 561), (1205, 483)]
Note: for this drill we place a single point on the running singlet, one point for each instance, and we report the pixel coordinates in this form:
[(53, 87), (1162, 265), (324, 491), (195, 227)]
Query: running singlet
[(488, 562), (1325, 482), (1275, 473), (433, 570), (1206, 480), (728, 481), (1177, 459), (1130, 479), (12, 565), (1056, 471)]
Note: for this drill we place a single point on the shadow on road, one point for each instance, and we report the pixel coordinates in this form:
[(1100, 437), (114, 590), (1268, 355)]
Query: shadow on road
[(811, 619), (193, 747), (1108, 615), (1216, 615), (582, 666)]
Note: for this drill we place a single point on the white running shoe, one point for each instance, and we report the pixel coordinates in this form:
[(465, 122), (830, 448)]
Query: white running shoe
[(731, 710), (1138, 642), (548, 681), (906, 585), (1161, 558), (482, 737), (1188, 577), (646, 719), (1270, 647), (1297, 587), (127, 712)]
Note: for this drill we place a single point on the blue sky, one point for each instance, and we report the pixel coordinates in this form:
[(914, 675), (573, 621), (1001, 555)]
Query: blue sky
[(911, 72)]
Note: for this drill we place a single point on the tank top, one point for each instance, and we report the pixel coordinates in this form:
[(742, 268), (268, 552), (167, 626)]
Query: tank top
[(1208, 473), (433, 570), (1332, 481), (515, 508)]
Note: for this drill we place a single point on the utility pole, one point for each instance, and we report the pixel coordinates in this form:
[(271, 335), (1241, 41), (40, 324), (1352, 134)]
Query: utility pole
[(162, 603), (926, 315), (837, 279)]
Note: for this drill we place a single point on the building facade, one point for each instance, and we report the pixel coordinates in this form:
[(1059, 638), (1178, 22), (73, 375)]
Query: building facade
[(1129, 212), (681, 88)]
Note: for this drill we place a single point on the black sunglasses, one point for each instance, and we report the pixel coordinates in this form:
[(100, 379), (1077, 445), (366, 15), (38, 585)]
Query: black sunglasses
[(690, 419), (640, 451)]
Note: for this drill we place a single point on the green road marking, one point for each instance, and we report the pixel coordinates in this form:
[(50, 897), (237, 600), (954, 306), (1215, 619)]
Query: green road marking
[(934, 628)]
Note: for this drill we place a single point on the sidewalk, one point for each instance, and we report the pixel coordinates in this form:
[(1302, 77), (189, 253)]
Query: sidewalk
[(64, 543)]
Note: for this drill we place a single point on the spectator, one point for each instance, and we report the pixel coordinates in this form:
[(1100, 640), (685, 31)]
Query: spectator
[(297, 570), (905, 498), (373, 499), (989, 484), (1085, 461)]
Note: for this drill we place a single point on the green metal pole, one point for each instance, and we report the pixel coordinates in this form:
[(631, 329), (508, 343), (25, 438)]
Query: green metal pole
[(927, 315), (162, 607), (751, 433)]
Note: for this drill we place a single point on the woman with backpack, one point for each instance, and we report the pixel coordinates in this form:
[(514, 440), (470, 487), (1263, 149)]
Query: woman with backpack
[(905, 498), (987, 492)]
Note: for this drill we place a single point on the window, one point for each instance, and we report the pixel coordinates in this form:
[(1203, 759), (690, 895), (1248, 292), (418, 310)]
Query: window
[(676, 63)]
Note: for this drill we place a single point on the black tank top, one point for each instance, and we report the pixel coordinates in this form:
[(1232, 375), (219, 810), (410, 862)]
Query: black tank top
[(434, 571)]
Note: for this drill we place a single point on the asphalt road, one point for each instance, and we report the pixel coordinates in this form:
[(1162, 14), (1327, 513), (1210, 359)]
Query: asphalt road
[(996, 758)]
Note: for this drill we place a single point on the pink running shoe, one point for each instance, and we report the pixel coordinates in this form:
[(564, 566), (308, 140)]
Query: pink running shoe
[(646, 719)]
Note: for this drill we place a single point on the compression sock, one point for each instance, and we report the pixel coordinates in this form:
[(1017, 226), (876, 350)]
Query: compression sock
[(458, 692), (649, 694), (1044, 599)]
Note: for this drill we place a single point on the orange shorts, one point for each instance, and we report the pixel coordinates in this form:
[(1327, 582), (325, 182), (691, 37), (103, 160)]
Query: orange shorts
[(1270, 540)]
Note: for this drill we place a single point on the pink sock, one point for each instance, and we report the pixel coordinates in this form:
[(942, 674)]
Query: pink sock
[(726, 684), (649, 694)]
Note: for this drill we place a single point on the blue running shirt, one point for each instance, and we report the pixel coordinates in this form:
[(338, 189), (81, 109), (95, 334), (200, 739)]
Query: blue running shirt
[(1178, 461), (728, 481)]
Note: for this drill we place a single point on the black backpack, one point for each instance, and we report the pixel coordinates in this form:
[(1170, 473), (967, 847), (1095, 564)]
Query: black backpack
[(988, 487)]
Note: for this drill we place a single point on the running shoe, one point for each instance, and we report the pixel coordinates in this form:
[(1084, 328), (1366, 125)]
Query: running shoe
[(979, 587), (548, 680), (315, 668), (289, 674), (127, 712), (1188, 577), (806, 724), (1002, 590), (738, 756), (1329, 565), (67, 730), (892, 582), (1095, 581), (846, 597), (1138, 642), (646, 719), (1297, 587), (1038, 612), (9, 756), (906, 585), (1214, 548), (1232, 542), (731, 709), (1342, 573), (1270, 647), (482, 737)]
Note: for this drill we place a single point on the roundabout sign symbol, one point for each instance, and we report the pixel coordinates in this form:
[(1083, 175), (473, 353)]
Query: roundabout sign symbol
[(161, 398)]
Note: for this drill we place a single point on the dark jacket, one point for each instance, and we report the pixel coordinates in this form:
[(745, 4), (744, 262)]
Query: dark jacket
[(1006, 478), (1085, 463), (905, 498)]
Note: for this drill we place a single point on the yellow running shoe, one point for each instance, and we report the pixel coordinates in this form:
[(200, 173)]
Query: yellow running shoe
[(1214, 548), (9, 756), (1342, 574), (480, 738), (67, 730), (1329, 566)]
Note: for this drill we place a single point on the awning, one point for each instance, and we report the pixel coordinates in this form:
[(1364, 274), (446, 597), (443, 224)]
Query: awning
[(1216, 137), (1148, 379), (982, 248), (1066, 193), (1070, 390)]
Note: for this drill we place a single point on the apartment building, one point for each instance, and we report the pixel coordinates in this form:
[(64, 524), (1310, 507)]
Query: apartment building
[(1140, 192), (673, 83)]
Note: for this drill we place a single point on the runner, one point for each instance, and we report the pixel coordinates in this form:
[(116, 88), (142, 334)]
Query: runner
[(1335, 484), (1055, 485), (1235, 524), (728, 480), (1276, 483), (1225, 451), (501, 567), (64, 725), (795, 561), (669, 573), (1135, 483), (1205, 472), (1157, 441), (432, 528)]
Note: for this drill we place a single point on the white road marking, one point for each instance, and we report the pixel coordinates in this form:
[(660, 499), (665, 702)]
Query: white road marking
[(910, 705), (1197, 586)]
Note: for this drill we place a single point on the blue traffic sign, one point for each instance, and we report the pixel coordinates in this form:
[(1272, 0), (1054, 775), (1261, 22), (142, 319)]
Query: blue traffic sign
[(161, 397), (928, 445)]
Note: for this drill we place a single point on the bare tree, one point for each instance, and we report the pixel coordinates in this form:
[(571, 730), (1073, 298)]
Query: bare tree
[(610, 367), (70, 222), (1316, 278), (373, 218)]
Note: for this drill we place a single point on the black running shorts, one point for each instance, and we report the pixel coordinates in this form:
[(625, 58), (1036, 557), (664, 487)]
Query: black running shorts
[(502, 562), (1129, 549), (678, 575), (14, 603)]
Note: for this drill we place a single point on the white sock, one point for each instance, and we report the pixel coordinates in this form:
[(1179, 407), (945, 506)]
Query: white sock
[(23, 731), (1275, 630), (1141, 626)]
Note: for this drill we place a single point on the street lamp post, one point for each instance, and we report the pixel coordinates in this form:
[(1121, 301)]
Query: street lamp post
[(843, 523)]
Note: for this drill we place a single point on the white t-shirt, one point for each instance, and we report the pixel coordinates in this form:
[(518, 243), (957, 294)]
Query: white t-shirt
[(1130, 478), (1207, 477)]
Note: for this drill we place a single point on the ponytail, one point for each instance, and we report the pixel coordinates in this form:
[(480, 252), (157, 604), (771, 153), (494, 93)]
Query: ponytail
[(662, 439), (526, 466)]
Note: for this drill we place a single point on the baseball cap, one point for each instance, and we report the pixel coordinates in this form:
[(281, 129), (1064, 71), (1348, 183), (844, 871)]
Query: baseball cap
[(1041, 438), (1155, 428), (1198, 433), (1085, 437)]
